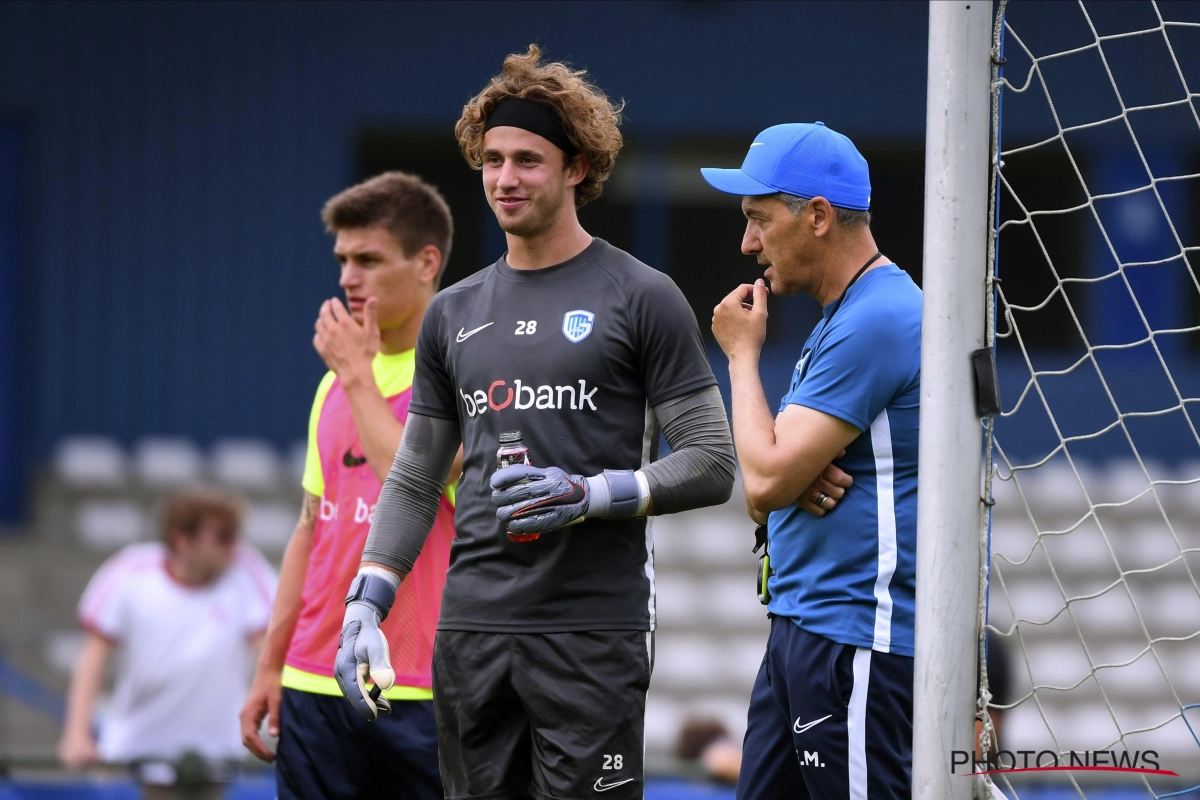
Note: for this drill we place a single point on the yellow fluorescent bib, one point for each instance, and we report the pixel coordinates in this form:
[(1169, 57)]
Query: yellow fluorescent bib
[(319, 684)]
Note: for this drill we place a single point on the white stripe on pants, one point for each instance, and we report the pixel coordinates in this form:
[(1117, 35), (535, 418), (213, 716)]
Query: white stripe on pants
[(856, 725)]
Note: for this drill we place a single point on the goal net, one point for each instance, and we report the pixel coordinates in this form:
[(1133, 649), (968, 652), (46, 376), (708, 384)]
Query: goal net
[(1093, 601)]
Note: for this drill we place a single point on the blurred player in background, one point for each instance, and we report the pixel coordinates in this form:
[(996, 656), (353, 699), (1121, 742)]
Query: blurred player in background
[(393, 236), (831, 712), (185, 615), (544, 647), (707, 742)]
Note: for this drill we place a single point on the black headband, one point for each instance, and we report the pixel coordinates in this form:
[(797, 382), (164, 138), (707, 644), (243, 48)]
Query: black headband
[(517, 112)]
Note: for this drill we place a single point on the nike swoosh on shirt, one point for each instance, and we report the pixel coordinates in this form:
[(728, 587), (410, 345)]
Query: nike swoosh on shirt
[(351, 460), (798, 728), (601, 786), (462, 337)]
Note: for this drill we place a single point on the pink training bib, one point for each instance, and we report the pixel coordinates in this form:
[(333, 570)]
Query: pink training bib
[(351, 491)]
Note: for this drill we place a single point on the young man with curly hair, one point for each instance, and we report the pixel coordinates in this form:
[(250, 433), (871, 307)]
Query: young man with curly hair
[(544, 645)]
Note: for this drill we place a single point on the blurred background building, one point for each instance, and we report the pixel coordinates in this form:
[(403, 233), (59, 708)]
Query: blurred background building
[(162, 166)]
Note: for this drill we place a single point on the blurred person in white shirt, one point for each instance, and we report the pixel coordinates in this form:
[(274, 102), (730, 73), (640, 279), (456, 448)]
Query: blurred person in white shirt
[(185, 617)]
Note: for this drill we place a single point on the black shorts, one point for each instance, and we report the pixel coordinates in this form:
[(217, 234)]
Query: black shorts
[(545, 715), (326, 750), (827, 721)]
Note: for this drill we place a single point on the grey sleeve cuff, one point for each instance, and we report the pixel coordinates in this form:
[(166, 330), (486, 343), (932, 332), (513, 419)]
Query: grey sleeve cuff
[(699, 471), (408, 503)]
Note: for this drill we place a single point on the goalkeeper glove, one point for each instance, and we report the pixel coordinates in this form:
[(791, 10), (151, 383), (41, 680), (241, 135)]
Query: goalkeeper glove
[(363, 649), (535, 499)]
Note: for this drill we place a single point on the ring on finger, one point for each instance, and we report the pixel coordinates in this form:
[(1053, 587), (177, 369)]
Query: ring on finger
[(821, 498)]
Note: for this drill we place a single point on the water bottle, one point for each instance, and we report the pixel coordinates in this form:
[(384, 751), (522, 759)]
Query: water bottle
[(513, 451)]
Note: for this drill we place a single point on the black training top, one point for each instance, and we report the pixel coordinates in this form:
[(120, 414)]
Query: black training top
[(573, 356)]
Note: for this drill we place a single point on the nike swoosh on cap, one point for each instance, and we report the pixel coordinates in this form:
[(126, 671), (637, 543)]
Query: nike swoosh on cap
[(798, 728), (756, 144), (462, 337), (601, 786)]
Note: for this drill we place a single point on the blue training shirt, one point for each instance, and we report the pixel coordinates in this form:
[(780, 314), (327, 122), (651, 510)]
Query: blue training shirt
[(850, 576)]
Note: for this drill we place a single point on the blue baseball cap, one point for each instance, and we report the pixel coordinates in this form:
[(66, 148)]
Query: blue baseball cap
[(802, 159)]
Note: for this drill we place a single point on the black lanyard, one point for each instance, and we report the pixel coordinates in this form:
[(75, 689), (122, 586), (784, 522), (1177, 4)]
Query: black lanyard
[(837, 304)]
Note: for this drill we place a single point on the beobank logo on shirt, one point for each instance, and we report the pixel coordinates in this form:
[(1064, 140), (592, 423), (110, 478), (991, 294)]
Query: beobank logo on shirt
[(520, 395), (363, 512)]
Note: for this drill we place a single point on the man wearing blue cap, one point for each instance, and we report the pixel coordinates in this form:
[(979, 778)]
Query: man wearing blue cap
[(831, 712)]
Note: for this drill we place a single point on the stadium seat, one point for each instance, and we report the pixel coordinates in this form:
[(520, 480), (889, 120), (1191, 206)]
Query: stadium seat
[(688, 662), (1111, 612), (90, 461), (1014, 539), (730, 599), (1184, 667), (1173, 610), (676, 598), (1060, 663), (1036, 601), (744, 656), (269, 526), (1024, 725), (1184, 498), (297, 454), (1085, 551), (1054, 490), (168, 461), (1085, 726), (1125, 479), (109, 524), (1143, 679), (707, 536), (664, 719), (246, 464), (1148, 543)]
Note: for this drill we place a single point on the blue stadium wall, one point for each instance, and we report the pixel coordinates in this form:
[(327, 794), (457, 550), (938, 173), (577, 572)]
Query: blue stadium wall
[(164, 250)]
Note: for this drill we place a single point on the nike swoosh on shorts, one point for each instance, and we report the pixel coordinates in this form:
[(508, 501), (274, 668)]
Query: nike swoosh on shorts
[(462, 337), (604, 787)]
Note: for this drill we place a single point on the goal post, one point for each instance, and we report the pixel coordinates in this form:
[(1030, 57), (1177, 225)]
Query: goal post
[(949, 508)]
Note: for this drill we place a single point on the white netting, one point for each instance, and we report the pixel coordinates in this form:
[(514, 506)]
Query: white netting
[(1095, 531)]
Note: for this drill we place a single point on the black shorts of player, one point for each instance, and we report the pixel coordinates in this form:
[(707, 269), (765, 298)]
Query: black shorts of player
[(827, 721), (326, 750), (543, 715)]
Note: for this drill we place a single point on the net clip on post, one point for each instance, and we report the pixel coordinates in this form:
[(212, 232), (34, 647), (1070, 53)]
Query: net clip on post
[(987, 382)]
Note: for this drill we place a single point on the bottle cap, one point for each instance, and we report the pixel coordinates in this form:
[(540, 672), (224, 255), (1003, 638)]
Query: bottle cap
[(510, 437)]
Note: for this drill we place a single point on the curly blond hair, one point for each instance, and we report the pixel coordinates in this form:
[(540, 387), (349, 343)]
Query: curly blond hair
[(589, 118)]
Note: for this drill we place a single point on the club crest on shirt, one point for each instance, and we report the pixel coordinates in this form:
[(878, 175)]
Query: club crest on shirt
[(577, 325)]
